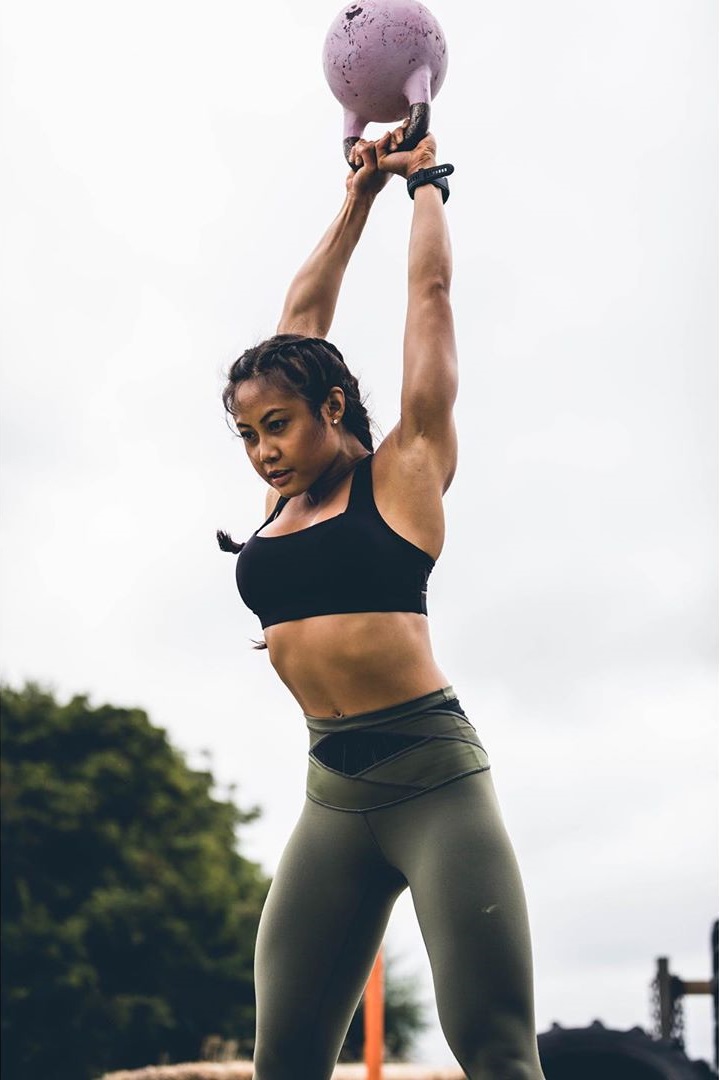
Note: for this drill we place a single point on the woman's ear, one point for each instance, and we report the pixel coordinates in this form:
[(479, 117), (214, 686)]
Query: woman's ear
[(334, 406)]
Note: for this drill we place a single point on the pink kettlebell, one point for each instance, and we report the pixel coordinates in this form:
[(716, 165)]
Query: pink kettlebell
[(385, 60)]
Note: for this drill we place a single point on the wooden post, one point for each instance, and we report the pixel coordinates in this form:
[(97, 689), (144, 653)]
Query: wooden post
[(374, 1020)]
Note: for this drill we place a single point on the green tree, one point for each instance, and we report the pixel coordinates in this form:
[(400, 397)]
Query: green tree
[(129, 917)]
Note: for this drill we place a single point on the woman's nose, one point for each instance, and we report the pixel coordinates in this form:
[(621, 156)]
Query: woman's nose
[(268, 451)]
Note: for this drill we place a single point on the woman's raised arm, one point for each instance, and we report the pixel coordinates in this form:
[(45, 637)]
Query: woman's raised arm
[(312, 296), (429, 380)]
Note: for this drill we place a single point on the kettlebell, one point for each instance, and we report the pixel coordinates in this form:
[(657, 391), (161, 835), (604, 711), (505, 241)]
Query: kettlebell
[(385, 60)]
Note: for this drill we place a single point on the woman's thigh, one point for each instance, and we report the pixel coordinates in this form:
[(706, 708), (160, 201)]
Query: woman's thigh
[(453, 848), (320, 930)]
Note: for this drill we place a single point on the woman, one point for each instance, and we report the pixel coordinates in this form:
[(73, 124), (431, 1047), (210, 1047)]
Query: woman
[(399, 792)]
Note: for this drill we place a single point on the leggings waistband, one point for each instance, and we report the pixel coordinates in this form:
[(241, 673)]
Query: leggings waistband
[(327, 725), (373, 760)]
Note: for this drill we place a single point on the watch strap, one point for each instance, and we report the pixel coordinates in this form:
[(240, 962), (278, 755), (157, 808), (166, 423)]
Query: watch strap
[(436, 175)]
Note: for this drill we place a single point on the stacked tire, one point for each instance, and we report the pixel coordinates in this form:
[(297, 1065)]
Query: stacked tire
[(599, 1053)]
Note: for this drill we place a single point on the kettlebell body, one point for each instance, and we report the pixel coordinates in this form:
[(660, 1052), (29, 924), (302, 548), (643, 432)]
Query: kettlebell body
[(385, 60)]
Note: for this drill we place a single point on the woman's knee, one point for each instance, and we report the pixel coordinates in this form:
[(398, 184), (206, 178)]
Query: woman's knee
[(500, 1063), (506, 1068), (508, 1052)]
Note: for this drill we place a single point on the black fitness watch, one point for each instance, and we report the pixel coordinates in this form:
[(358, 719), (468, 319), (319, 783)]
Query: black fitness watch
[(437, 175)]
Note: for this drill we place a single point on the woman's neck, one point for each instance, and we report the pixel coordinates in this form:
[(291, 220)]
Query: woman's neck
[(347, 459)]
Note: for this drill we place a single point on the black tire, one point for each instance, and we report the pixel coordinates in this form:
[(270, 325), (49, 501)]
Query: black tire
[(599, 1053)]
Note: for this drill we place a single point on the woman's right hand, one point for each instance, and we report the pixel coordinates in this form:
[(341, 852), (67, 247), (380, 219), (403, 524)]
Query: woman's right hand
[(365, 178), (391, 158)]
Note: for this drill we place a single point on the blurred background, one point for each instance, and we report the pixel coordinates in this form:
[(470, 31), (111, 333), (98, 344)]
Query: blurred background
[(165, 167)]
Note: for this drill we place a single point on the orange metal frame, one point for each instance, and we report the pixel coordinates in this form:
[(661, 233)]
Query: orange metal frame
[(374, 1020)]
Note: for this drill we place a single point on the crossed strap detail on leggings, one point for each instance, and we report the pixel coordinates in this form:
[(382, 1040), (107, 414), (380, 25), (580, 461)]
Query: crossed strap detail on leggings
[(436, 745)]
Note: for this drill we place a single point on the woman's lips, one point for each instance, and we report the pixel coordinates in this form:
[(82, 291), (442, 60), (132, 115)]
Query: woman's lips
[(280, 477)]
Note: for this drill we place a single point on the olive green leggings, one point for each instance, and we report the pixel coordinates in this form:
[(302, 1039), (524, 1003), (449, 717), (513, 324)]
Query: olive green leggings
[(442, 836)]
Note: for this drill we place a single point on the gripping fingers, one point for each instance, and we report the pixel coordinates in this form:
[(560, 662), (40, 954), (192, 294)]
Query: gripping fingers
[(359, 153), (364, 154), (387, 148), (397, 137)]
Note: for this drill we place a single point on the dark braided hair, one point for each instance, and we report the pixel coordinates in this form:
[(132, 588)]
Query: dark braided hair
[(308, 366), (311, 367)]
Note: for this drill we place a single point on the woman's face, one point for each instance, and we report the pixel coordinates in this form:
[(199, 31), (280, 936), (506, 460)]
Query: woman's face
[(288, 446)]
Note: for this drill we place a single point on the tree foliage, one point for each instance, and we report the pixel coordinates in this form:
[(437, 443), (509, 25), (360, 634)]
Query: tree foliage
[(129, 917)]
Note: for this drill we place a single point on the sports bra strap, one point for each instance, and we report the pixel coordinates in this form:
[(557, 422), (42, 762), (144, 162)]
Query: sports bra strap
[(281, 502), (361, 490), (279, 506)]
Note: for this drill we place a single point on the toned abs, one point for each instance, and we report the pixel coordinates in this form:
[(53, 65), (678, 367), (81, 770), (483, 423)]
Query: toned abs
[(340, 665)]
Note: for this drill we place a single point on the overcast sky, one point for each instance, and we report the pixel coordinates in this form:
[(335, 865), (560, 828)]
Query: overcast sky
[(164, 169)]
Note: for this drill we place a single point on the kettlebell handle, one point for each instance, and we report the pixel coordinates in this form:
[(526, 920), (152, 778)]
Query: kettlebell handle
[(414, 132)]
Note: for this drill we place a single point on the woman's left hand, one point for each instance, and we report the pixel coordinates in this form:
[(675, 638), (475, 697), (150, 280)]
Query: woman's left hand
[(367, 180), (392, 158)]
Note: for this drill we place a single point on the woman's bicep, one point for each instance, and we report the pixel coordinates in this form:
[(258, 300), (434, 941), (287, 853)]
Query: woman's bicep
[(426, 429), (429, 371)]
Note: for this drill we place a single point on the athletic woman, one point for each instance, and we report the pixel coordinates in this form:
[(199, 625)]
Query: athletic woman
[(399, 793)]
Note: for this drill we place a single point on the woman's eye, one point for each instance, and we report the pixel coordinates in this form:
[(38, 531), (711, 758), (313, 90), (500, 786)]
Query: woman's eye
[(246, 435), (276, 425)]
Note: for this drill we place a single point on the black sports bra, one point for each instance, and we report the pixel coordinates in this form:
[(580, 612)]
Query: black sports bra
[(348, 563)]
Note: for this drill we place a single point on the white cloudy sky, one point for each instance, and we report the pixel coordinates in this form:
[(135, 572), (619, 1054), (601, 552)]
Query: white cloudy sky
[(164, 169)]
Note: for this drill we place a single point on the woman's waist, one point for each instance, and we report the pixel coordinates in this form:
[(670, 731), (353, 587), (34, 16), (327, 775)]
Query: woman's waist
[(339, 666), (385, 717), (377, 759)]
